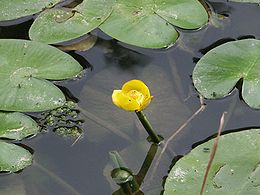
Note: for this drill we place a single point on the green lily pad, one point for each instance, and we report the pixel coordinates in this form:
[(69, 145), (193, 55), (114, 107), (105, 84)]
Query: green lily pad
[(148, 23), (14, 9), (235, 169), (217, 73), (24, 66), (15, 125), (59, 25), (13, 158), (142, 23)]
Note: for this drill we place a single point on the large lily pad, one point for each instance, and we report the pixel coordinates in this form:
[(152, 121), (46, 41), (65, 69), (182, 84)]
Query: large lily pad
[(24, 66), (217, 73), (235, 169), (148, 23), (13, 158), (59, 25), (15, 125), (14, 9)]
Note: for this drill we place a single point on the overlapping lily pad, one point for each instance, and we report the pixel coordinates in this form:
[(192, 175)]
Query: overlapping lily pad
[(14, 9), (13, 158), (217, 73), (63, 24), (143, 23), (24, 66), (235, 169), (15, 125)]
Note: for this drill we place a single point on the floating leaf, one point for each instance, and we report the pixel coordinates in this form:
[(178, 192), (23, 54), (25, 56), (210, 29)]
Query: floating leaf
[(14, 9), (13, 158), (143, 23), (148, 23), (60, 24), (217, 73), (15, 125), (235, 169), (23, 67)]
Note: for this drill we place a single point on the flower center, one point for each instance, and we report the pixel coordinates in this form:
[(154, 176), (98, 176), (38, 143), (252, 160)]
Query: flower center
[(136, 95)]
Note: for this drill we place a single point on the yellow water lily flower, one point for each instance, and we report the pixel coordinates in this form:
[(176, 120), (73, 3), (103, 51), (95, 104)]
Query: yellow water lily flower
[(134, 96)]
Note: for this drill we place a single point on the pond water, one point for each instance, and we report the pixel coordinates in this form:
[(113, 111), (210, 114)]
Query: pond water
[(84, 167)]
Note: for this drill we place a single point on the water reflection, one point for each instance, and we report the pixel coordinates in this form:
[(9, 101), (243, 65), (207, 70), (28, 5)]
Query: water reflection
[(133, 186)]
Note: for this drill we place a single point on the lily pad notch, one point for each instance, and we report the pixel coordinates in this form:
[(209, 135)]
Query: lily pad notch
[(216, 73)]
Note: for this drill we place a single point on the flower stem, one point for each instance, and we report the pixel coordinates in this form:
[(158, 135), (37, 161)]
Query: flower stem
[(154, 137)]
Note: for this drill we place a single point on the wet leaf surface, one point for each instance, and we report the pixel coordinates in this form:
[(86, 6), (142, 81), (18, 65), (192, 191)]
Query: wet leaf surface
[(14, 9), (217, 73), (15, 125), (148, 23), (235, 169), (13, 158), (24, 67), (63, 24)]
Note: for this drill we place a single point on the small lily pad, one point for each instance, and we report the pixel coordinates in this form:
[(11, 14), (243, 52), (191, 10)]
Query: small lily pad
[(235, 169), (13, 158), (15, 125), (63, 24), (14, 9), (24, 66), (217, 73)]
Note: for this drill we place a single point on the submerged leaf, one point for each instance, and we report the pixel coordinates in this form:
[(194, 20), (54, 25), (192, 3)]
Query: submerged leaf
[(23, 67), (217, 73), (14, 9), (235, 169), (82, 45), (15, 125), (13, 158)]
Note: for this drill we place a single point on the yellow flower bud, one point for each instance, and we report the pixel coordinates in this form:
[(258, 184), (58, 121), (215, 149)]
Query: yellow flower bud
[(134, 96)]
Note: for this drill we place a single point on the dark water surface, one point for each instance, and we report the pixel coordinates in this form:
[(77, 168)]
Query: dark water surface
[(84, 168)]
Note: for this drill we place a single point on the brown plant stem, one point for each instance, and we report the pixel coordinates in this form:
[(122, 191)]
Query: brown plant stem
[(213, 152)]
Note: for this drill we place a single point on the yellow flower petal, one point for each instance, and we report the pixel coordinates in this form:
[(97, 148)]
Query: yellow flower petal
[(138, 86), (123, 101), (134, 96), (145, 103)]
